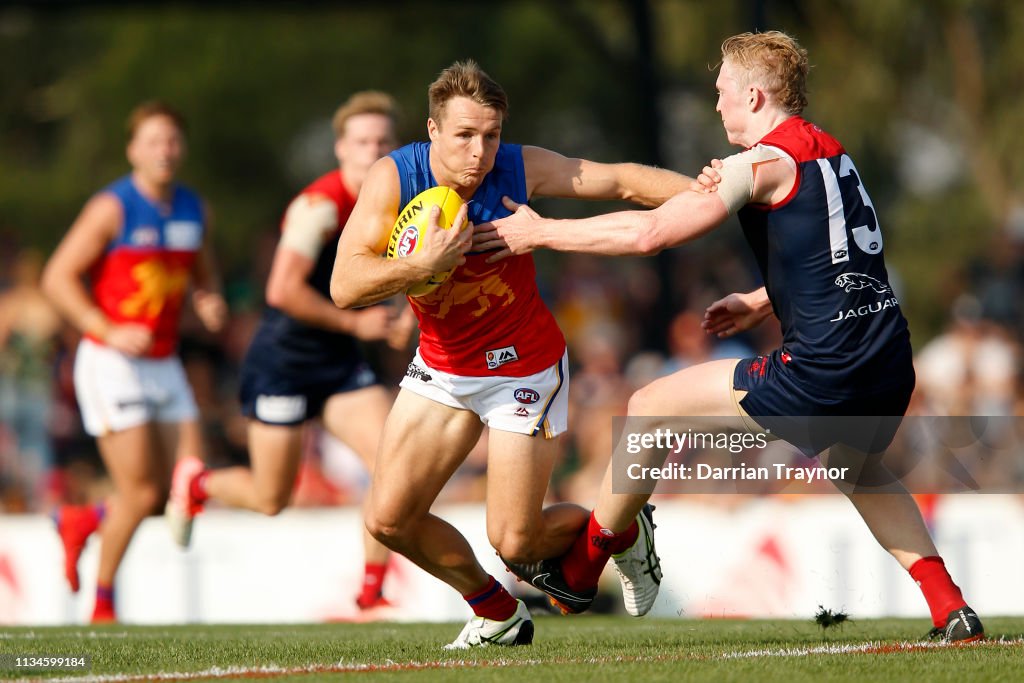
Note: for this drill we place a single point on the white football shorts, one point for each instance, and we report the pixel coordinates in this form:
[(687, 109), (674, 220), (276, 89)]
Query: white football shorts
[(116, 392), (535, 404)]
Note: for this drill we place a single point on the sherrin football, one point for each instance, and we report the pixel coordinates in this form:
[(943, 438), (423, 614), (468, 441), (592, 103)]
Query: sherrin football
[(411, 228)]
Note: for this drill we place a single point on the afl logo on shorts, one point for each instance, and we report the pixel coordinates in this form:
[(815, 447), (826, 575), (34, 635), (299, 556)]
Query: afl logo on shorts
[(527, 396), (407, 241)]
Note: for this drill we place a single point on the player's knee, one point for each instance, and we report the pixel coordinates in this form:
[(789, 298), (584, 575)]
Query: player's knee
[(387, 532), (273, 503), (517, 547), (642, 402), (144, 500)]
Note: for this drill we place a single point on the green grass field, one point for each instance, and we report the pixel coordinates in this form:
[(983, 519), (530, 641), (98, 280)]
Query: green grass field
[(576, 649)]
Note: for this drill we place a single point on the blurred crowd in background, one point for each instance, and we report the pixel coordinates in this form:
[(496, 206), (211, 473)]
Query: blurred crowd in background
[(925, 95), (605, 306)]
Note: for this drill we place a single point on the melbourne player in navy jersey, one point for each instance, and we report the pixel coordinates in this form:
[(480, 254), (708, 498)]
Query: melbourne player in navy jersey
[(142, 242), (846, 349), (490, 352), (305, 360)]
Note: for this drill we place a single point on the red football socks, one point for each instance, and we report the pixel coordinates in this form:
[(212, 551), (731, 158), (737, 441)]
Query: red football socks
[(103, 611), (373, 584), (583, 564), (492, 602), (943, 596), (197, 487)]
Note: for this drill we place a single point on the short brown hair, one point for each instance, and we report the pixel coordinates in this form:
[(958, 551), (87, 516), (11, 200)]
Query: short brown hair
[(364, 102), (466, 79), (775, 59), (148, 110)]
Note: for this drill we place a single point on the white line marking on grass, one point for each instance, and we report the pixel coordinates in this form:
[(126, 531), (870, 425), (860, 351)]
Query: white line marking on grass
[(865, 648), (274, 671)]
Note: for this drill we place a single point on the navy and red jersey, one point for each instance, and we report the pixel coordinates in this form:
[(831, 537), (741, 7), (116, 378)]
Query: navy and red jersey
[(290, 342), (820, 255), (145, 272)]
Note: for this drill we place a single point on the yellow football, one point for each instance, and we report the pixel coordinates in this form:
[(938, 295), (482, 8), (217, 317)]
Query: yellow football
[(411, 228)]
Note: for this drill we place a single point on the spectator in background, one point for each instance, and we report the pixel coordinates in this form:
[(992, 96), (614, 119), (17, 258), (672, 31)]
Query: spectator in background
[(142, 242), (29, 334), (969, 369)]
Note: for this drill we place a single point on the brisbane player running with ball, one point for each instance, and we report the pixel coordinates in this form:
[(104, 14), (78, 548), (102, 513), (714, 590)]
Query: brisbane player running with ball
[(486, 339)]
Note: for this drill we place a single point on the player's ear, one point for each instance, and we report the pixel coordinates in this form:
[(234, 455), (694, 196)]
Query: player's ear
[(433, 129)]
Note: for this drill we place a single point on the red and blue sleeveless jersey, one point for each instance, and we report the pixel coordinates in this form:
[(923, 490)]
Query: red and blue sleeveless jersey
[(487, 318), (145, 272), (820, 255)]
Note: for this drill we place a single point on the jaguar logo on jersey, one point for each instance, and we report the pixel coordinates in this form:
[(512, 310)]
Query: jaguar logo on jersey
[(856, 281), (498, 357), (526, 396), (852, 281), (407, 242)]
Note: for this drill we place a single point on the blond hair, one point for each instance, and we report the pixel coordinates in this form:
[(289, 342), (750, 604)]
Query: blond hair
[(364, 102), (777, 61), (465, 79), (148, 110)]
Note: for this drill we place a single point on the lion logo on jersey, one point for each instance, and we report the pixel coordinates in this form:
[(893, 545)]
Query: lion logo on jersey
[(478, 292), (852, 281)]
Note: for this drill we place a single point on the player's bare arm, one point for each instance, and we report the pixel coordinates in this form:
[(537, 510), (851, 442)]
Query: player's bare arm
[(685, 217), (549, 174), (760, 178), (308, 224), (207, 297), (737, 312), (96, 226), (362, 276)]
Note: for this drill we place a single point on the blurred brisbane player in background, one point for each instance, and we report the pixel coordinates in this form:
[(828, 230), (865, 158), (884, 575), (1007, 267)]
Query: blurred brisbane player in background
[(305, 360), (141, 241), (490, 351), (846, 358)]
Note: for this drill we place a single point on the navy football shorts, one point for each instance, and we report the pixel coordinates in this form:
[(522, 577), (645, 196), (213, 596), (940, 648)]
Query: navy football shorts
[(812, 420), (279, 393)]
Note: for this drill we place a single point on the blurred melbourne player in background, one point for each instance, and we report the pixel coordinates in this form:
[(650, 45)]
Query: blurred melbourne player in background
[(305, 359)]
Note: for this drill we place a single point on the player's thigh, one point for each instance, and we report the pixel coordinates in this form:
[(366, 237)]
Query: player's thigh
[(357, 418), (275, 453), (132, 461), (423, 443), (518, 473), (700, 390)]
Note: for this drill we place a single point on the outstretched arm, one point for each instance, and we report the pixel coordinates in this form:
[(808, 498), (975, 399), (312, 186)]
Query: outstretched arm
[(685, 217), (745, 178), (549, 174)]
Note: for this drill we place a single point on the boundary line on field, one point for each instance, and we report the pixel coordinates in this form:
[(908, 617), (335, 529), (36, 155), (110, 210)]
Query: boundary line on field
[(271, 671)]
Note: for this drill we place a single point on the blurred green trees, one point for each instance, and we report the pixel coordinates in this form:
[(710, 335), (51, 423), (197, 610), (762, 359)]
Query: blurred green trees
[(925, 96)]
